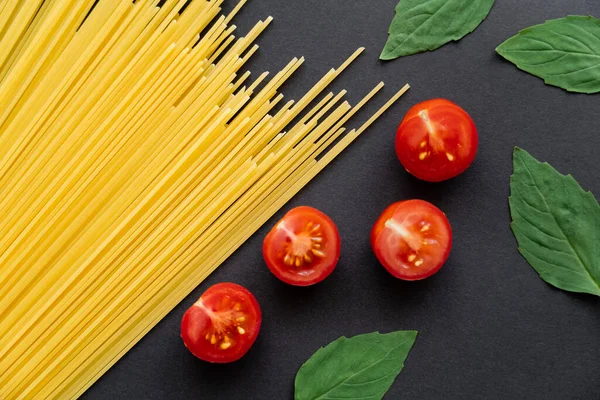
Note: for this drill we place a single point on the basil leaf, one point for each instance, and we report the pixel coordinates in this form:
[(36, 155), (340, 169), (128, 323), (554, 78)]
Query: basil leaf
[(421, 25), (362, 367), (557, 225), (563, 52)]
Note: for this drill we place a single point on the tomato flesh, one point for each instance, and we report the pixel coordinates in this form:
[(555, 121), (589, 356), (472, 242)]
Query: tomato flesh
[(223, 324), (303, 248), (412, 239), (437, 140)]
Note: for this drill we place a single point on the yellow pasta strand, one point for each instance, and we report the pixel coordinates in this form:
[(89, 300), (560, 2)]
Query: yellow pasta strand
[(135, 157)]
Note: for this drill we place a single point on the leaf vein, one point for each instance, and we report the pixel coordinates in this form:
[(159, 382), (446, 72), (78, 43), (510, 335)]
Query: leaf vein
[(417, 29), (578, 53), (542, 245), (552, 263), (578, 40), (361, 370), (585, 32), (371, 381), (538, 228), (546, 62), (529, 204)]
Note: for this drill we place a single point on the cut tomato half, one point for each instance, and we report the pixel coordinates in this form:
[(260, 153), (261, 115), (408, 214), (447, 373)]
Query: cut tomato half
[(303, 248), (437, 140), (412, 239), (223, 324)]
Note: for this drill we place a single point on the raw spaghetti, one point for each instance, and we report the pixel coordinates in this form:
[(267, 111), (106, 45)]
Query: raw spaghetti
[(134, 159)]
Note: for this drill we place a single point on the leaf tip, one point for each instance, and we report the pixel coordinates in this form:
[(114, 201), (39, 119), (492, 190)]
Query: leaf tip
[(406, 334), (517, 152), (500, 49), (385, 56), (411, 334)]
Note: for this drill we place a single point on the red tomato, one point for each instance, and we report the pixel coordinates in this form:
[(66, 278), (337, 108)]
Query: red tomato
[(412, 239), (437, 140), (303, 248), (223, 324)]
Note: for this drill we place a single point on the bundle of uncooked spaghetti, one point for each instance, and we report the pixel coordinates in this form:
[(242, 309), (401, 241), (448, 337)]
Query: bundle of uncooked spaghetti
[(134, 159)]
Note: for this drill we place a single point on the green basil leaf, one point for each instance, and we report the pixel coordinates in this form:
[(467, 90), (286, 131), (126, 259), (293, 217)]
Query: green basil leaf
[(563, 52), (557, 225), (421, 25), (362, 367)]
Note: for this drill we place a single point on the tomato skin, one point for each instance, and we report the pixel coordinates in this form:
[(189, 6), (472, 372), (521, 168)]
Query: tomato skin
[(303, 248), (437, 140), (223, 324), (412, 239)]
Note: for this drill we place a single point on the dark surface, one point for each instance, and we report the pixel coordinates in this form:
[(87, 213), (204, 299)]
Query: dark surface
[(489, 327)]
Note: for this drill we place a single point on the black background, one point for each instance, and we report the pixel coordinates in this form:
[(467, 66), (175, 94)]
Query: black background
[(489, 327)]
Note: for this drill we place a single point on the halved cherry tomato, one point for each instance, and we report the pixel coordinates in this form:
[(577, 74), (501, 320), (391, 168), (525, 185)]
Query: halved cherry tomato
[(412, 239), (303, 248), (223, 324), (437, 140)]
